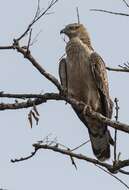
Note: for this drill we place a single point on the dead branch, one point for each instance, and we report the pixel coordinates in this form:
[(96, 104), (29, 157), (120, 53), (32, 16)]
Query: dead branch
[(37, 16), (115, 136), (117, 178), (78, 16), (122, 69), (125, 66), (112, 168), (38, 99), (25, 158), (29, 57), (124, 172), (7, 47), (26, 104), (118, 69), (110, 12), (80, 145), (66, 152), (126, 3), (25, 50), (108, 168), (79, 106), (29, 42)]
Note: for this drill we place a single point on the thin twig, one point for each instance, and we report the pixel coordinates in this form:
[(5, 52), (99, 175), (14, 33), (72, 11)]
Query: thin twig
[(37, 16), (35, 39), (37, 10), (118, 179), (29, 41), (115, 136), (78, 16), (37, 65), (25, 158), (126, 3), (72, 160), (125, 67), (117, 69), (110, 12), (124, 172), (62, 57), (80, 145)]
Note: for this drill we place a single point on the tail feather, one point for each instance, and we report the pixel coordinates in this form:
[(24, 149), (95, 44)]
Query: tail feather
[(100, 141), (99, 135)]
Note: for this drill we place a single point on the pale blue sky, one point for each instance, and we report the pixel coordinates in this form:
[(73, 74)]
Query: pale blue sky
[(49, 170)]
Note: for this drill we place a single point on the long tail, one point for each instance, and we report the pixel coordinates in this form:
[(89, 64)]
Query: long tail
[(100, 140), (100, 137)]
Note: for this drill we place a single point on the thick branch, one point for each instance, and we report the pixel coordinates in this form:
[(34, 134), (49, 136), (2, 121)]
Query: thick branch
[(28, 56), (116, 125), (39, 99), (26, 104)]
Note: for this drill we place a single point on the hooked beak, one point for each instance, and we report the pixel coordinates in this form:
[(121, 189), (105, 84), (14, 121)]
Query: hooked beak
[(63, 31)]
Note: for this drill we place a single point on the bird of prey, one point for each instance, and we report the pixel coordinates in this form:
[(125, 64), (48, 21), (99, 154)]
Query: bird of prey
[(83, 75)]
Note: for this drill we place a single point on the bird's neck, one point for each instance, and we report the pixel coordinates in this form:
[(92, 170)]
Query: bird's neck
[(87, 42)]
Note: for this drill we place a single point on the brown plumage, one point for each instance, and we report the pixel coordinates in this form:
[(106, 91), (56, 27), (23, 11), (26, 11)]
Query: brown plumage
[(83, 75)]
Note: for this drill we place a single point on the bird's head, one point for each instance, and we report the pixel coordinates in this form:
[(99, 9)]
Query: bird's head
[(73, 30), (77, 30)]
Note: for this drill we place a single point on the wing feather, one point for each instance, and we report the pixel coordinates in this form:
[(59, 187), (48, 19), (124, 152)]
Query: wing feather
[(63, 73), (99, 72)]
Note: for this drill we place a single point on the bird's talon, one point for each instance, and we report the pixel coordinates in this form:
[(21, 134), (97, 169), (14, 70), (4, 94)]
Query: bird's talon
[(86, 110)]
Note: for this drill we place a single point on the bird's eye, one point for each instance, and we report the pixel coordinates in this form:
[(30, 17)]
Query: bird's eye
[(73, 27), (76, 27)]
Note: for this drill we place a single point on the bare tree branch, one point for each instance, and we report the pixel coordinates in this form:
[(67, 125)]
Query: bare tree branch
[(29, 42), (78, 16), (66, 152), (112, 168), (28, 56), (80, 145), (37, 16), (124, 172), (126, 3), (25, 158), (7, 47), (79, 106), (117, 178), (38, 99), (125, 66), (118, 69), (110, 12), (53, 145), (115, 136)]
